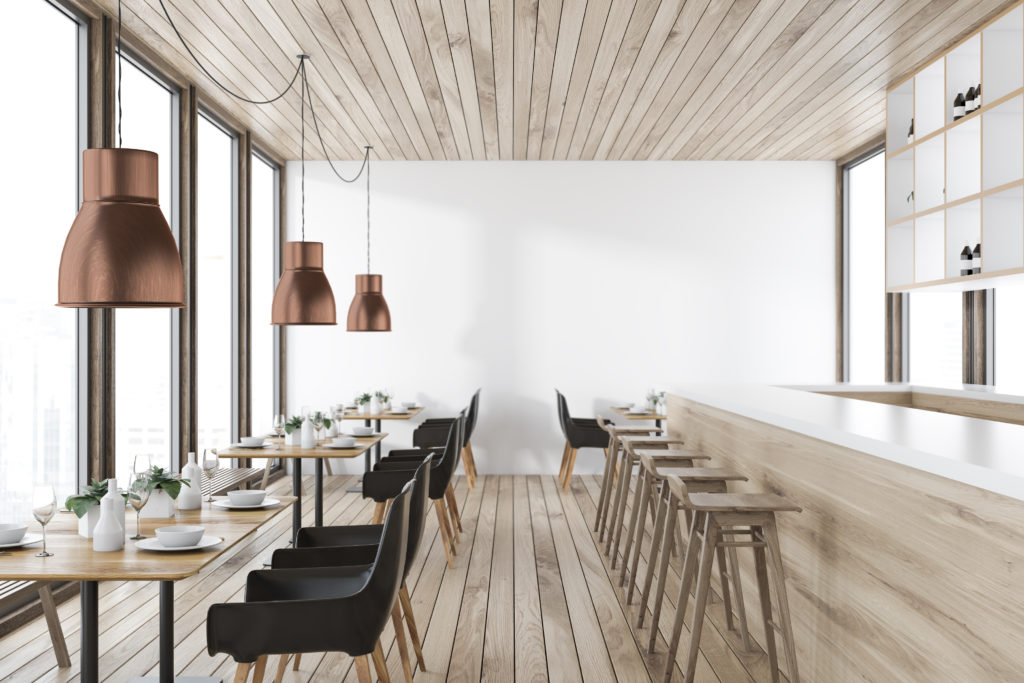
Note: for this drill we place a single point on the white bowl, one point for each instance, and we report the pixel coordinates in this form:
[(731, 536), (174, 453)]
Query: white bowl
[(12, 533), (409, 405), (344, 442), (247, 497), (252, 441), (362, 431), (179, 536)]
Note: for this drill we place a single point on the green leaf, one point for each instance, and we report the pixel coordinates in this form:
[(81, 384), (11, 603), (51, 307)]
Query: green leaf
[(80, 504), (327, 422)]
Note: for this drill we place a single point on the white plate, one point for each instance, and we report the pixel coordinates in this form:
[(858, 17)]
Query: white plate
[(362, 436), (399, 412), (228, 505), (27, 539), (155, 544), (340, 448), (640, 412), (251, 448), (623, 406)]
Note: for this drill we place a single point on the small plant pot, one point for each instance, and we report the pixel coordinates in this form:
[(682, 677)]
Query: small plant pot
[(159, 506), (364, 409), (293, 439), (87, 524)]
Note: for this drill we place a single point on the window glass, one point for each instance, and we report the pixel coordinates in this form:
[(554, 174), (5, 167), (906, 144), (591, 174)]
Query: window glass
[(214, 284), (263, 278), (39, 191), (936, 338), (142, 338), (1009, 338), (865, 233)]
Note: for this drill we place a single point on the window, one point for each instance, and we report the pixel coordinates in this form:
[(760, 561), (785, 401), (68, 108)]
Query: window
[(142, 339), (864, 193), (936, 338), (40, 190), (215, 285), (1009, 338), (263, 278)]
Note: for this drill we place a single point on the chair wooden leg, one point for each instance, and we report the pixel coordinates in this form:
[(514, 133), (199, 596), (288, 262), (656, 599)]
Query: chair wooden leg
[(453, 524), (472, 460), (466, 469), (259, 669), (327, 466), (449, 529), (410, 622), (266, 476), (282, 666), (60, 646), (449, 495), (363, 669), (378, 513), (242, 672), (298, 659), (443, 531), (403, 647), (380, 665), (568, 469), (561, 467)]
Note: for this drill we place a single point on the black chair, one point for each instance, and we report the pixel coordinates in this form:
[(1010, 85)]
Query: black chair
[(441, 475), (311, 543), (323, 607), (431, 433), (579, 433)]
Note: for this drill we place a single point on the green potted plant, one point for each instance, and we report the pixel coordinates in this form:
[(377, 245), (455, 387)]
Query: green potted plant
[(86, 506), (384, 398), (293, 430), (363, 401), (164, 487)]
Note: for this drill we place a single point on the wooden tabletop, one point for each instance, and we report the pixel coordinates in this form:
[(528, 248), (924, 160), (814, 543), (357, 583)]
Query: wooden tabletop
[(363, 444), (74, 559), (356, 415), (646, 415)]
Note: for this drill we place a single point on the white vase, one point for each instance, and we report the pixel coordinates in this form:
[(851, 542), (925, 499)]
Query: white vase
[(293, 439), (332, 431), (374, 406), (117, 501), (108, 535), (308, 439), (365, 408), (159, 506), (87, 523), (191, 496)]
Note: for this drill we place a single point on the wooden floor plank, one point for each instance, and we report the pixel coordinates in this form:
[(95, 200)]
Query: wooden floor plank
[(499, 658), (529, 629)]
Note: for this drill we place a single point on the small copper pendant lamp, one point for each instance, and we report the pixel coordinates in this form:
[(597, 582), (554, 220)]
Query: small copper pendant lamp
[(303, 295), (368, 311)]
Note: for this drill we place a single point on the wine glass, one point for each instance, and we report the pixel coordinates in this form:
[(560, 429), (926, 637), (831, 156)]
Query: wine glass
[(339, 415), (44, 506), (279, 423), (211, 463), (138, 496), (317, 418), (142, 464)]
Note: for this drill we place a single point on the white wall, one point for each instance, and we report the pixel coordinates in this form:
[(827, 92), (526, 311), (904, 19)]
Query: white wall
[(602, 279)]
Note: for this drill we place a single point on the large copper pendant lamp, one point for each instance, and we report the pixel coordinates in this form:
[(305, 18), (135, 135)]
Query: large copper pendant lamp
[(120, 252), (368, 311), (303, 295)]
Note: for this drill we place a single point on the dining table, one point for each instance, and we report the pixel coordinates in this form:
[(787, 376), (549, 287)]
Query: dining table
[(74, 559), (320, 452), (633, 414), (375, 419)]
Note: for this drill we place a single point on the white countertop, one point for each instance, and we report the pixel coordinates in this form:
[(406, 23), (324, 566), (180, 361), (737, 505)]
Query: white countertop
[(982, 453)]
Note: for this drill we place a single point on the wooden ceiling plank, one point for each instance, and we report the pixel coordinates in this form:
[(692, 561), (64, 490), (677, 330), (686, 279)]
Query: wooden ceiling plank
[(454, 21), (688, 109), (333, 22), (647, 79), (612, 80), (703, 31), (632, 76), (869, 123), (478, 19), (613, 31), (411, 59), (503, 64), (569, 27), (524, 42), (549, 14)]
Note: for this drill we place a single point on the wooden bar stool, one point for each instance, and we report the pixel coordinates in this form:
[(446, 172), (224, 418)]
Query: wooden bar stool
[(626, 463), (607, 482), (679, 483), (716, 517)]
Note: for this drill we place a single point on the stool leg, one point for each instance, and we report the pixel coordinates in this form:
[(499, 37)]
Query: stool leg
[(636, 520), (700, 600), (771, 535), (608, 487), (761, 567), (625, 473), (686, 578), (659, 593), (659, 523), (606, 480), (660, 543), (737, 589), (723, 578), (568, 469)]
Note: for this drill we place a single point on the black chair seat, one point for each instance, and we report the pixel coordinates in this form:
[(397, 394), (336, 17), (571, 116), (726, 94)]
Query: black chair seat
[(357, 534)]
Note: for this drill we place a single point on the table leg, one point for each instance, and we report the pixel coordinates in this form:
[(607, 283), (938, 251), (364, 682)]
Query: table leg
[(166, 632), (318, 493), (377, 448), (657, 423), (90, 653), (297, 492)]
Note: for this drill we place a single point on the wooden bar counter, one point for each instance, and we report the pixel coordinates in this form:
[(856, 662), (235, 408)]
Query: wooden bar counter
[(907, 562)]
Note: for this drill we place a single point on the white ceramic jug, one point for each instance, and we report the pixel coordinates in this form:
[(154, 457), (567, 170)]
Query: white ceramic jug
[(191, 496), (108, 535)]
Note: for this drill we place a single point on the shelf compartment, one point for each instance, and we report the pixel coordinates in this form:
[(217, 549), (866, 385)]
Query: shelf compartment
[(929, 245), (963, 229), (963, 71), (929, 174), (1003, 52), (1002, 244), (963, 160), (900, 108), (899, 184), (929, 93), (899, 254), (1002, 142)]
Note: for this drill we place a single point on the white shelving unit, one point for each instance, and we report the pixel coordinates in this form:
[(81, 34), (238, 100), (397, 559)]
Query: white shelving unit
[(958, 183)]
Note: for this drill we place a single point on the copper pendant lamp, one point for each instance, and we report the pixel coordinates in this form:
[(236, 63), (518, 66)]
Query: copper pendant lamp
[(368, 311)]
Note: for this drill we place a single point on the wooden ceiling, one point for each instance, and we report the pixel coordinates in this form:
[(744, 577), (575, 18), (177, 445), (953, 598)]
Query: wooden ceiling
[(562, 79)]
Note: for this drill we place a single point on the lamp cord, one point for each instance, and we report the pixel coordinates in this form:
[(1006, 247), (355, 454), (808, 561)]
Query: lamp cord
[(366, 163), (119, 65), (302, 105)]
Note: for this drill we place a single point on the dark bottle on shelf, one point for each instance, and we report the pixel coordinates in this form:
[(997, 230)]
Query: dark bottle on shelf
[(976, 259), (910, 133), (977, 97), (965, 261), (969, 103), (959, 107)]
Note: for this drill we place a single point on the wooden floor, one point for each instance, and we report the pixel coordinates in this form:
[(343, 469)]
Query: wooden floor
[(531, 598)]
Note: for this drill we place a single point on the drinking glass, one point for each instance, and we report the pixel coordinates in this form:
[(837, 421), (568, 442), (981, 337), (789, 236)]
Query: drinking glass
[(44, 506), (317, 418), (142, 464), (138, 495), (279, 423), (339, 415), (211, 463)]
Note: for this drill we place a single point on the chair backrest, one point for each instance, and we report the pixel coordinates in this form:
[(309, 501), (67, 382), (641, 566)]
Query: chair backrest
[(389, 566), (563, 413), (474, 406), (442, 473), (418, 503)]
